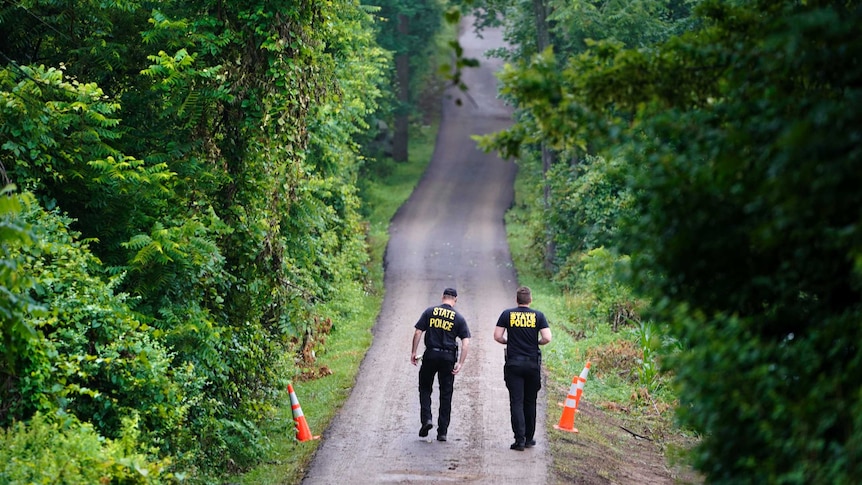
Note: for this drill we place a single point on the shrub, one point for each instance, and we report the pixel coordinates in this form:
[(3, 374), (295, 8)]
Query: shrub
[(65, 451), (89, 356)]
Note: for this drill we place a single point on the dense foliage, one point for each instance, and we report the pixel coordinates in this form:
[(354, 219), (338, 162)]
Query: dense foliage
[(415, 40), (737, 150), (47, 451), (188, 200), (534, 48), (408, 29)]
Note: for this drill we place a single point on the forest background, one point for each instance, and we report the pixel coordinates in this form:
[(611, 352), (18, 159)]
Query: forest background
[(185, 223)]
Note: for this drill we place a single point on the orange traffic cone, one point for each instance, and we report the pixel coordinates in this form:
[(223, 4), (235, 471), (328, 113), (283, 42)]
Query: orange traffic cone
[(567, 420), (303, 433)]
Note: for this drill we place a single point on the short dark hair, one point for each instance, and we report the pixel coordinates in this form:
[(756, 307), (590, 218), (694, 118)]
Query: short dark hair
[(524, 296), (450, 292)]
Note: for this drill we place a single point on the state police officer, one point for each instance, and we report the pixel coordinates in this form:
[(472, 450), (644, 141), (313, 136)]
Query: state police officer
[(523, 330), (441, 325)]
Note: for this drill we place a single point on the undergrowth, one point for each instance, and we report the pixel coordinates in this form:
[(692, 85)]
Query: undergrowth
[(337, 358), (625, 378)]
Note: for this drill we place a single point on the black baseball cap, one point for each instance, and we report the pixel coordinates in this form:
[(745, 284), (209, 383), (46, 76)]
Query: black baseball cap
[(450, 292)]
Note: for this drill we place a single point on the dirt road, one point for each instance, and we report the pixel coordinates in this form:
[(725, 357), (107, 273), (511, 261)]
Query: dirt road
[(449, 233)]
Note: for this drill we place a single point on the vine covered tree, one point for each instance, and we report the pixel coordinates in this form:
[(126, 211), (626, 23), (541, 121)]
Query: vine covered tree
[(201, 159)]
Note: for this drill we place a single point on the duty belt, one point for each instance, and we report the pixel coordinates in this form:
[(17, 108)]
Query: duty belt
[(522, 358), (437, 349)]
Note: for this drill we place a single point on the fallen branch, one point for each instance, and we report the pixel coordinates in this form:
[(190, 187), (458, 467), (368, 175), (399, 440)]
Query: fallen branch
[(635, 434)]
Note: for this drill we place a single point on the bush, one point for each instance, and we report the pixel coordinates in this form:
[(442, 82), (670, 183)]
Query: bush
[(65, 451), (89, 356), (589, 198)]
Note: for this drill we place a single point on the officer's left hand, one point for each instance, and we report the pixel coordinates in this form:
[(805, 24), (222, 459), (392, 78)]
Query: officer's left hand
[(456, 368)]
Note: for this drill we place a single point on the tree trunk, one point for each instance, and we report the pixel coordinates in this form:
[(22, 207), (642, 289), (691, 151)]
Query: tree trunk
[(402, 116), (543, 38), (542, 42)]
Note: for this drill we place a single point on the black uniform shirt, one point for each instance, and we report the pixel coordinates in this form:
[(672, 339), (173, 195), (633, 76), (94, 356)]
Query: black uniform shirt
[(442, 324), (522, 325)]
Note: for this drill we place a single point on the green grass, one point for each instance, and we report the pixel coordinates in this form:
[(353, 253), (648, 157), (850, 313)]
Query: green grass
[(346, 345), (578, 327), (383, 190), (581, 332), (320, 398)]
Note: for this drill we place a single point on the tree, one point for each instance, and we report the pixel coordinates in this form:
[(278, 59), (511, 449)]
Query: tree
[(742, 142), (408, 30), (542, 30), (206, 153)]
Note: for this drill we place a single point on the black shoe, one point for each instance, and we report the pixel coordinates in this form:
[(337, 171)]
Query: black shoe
[(518, 445), (441, 437), (530, 444), (423, 431)]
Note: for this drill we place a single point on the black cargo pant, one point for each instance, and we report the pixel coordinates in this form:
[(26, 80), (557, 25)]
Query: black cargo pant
[(523, 380), (440, 364)]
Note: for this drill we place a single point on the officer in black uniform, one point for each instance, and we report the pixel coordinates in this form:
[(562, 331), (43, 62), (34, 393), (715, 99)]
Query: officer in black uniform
[(441, 325), (523, 330)]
